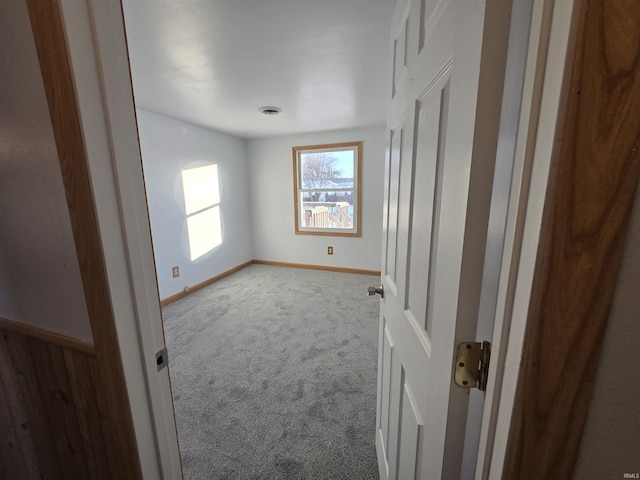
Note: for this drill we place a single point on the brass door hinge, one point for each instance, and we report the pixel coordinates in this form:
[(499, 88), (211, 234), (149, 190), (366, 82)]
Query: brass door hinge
[(472, 365)]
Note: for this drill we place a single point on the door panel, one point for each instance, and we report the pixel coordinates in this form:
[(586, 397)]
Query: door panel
[(438, 171), (429, 132), (392, 215), (389, 403), (411, 428), (399, 55), (385, 390)]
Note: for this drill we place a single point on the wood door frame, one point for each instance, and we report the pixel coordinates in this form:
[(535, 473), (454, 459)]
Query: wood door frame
[(591, 190), (550, 40), (110, 44), (549, 172), (53, 56), (84, 62)]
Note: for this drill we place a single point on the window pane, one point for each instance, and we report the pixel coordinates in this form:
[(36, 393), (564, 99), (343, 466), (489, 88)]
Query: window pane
[(332, 169), (205, 232), (327, 210), (201, 189)]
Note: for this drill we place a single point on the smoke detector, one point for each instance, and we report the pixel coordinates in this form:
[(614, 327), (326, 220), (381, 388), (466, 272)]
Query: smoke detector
[(269, 110)]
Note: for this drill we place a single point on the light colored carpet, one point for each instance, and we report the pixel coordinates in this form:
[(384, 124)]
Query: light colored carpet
[(274, 375)]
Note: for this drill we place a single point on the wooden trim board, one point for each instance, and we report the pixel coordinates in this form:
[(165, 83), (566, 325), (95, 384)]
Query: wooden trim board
[(200, 285), (327, 268), (597, 167), (47, 336), (50, 41)]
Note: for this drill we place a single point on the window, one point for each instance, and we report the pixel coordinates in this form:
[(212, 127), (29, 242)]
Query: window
[(327, 189), (202, 207)]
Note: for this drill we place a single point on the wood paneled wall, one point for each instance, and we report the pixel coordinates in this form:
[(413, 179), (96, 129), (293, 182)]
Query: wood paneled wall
[(53, 422)]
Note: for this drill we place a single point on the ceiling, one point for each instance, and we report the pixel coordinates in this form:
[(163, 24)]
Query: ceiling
[(213, 63)]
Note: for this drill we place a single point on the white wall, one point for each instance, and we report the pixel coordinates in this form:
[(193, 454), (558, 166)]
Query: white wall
[(256, 180), (168, 146), (272, 214), (40, 282), (610, 443)]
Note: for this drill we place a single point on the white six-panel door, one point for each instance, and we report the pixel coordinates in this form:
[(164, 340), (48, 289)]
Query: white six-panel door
[(439, 170)]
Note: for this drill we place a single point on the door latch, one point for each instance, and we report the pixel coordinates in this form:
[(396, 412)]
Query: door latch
[(162, 358), (472, 365)]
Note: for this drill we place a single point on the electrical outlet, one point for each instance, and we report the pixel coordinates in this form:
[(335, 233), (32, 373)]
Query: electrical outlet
[(175, 271), (329, 250)]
